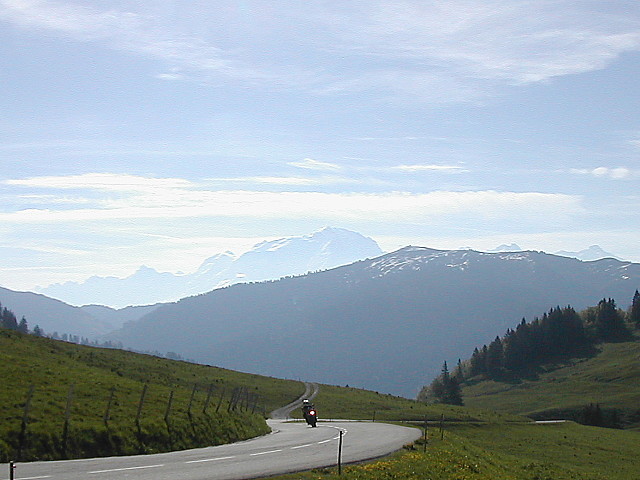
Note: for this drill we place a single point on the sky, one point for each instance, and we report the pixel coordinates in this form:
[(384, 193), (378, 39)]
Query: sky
[(162, 132)]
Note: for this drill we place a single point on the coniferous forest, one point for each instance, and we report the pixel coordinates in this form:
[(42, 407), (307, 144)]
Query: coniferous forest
[(560, 334)]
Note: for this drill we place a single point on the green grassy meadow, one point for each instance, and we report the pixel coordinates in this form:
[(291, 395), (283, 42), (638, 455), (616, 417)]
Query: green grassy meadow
[(504, 451), (610, 379), (476, 444), (58, 371)]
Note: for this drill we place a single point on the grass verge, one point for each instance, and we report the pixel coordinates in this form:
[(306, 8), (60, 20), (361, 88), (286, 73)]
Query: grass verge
[(505, 451)]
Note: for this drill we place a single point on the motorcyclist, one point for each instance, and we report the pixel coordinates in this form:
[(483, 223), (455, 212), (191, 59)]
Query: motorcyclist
[(308, 412), (306, 406)]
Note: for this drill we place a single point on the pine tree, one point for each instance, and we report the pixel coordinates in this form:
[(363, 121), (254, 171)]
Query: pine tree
[(446, 388), (9, 319), (495, 358), (609, 323), (476, 364), (634, 312), (23, 326)]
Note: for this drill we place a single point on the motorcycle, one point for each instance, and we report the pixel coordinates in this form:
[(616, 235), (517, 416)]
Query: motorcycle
[(311, 416)]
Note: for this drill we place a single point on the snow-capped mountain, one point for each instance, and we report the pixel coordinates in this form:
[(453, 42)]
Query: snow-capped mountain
[(327, 248), (386, 323)]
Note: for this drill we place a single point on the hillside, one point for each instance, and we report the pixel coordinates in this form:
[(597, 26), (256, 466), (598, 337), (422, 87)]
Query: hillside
[(73, 387), (384, 324), (54, 315), (63, 400), (611, 379)]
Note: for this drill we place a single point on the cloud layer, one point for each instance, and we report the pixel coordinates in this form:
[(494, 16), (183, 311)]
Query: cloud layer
[(153, 198), (435, 51)]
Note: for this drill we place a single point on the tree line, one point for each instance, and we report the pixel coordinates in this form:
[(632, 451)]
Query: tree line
[(9, 321), (560, 333)]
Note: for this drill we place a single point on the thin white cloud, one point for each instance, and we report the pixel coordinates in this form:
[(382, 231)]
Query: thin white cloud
[(124, 30), (615, 173), (431, 50), (102, 181), (520, 42), (271, 180), (311, 164), (165, 199), (430, 168)]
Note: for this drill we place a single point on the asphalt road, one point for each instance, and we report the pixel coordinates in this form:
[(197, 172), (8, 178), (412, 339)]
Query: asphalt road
[(291, 447)]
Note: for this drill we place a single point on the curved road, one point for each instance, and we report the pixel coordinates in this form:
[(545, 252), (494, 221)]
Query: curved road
[(310, 392), (291, 447)]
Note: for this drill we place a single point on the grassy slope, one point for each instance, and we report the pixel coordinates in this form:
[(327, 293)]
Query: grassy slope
[(505, 451), (477, 445), (357, 404), (52, 366), (611, 379)]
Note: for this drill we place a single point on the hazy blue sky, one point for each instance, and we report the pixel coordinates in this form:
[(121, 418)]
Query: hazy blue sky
[(162, 132)]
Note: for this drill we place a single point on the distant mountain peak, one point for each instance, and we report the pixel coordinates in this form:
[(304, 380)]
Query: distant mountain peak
[(594, 252), (326, 248), (507, 248)]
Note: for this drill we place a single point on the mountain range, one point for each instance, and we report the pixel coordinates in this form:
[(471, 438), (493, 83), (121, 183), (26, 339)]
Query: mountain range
[(326, 248), (386, 323)]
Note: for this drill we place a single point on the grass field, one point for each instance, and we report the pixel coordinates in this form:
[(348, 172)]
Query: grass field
[(610, 379), (72, 391), (504, 451), (74, 387), (478, 444), (352, 403)]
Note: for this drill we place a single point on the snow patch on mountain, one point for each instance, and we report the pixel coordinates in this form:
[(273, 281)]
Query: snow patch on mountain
[(269, 260)]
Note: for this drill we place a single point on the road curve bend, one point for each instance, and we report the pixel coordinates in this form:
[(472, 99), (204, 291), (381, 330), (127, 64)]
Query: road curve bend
[(310, 392), (293, 446)]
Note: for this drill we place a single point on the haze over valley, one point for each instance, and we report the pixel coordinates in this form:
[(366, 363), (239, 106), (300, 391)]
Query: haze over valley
[(385, 322)]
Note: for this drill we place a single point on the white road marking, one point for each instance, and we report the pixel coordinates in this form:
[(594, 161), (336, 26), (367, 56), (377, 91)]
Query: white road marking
[(302, 446), (264, 453), (128, 468), (211, 459), (33, 478)]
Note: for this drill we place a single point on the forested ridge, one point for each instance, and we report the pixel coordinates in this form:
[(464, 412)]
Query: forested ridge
[(560, 334), (9, 321)]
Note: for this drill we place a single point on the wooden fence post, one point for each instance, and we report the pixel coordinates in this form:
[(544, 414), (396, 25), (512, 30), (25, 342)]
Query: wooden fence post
[(208, 400), (67, 418), (107, 412), (140, 403), (193, 394), (426, 432), (221, 398), (167, 412), (25, 420)]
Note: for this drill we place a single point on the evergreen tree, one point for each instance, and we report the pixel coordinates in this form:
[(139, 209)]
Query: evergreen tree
[(454, 392), (458, 373), (634, 312), (495, 358), (23, 326), (477, 363), (609, 324), (9, 320), (446, 388)]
